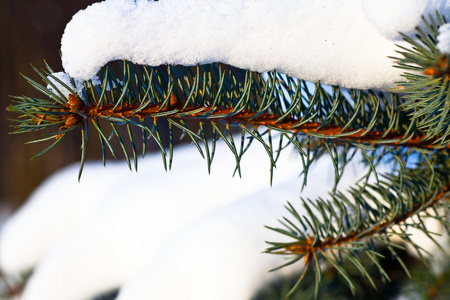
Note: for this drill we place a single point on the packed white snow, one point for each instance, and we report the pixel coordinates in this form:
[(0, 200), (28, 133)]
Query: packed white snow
[(444, 39), (60, 83), (344, 42)]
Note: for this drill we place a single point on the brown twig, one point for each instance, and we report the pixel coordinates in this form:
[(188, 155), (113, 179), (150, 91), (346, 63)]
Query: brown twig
[(310, 246), (174, 110)]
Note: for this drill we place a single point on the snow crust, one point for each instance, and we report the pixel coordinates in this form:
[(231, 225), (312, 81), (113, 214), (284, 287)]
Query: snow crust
[(444, 39), (344, 43)]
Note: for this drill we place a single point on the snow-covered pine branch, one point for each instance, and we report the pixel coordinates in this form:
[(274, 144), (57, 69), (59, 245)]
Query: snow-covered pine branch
[(202, 60)]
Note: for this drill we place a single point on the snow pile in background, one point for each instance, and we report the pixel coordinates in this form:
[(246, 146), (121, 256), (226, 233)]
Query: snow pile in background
[(444, 39), (219, 257), (161, 235), (54, 210), (344, 43), (118, 228)]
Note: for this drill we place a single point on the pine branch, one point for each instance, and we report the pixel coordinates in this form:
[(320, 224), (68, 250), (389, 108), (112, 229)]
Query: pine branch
[(338, 229), (174, 110), (221, 93), (11, 287), (425, 284), (293, 107), (75, 109), (314, 119), (426, 84)]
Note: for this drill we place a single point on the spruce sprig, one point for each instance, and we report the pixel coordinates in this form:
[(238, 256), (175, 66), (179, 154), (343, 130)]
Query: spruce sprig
[(426, 86), (214, 94), (357, 222), (409, 126)]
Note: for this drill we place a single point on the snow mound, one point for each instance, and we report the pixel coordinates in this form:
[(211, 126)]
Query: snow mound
[(115, 223), (146, 232), (116, 227), (344, 43)]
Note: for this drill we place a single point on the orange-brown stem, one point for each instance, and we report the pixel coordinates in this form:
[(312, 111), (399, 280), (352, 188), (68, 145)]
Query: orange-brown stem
[(308, 247), (174, 110)]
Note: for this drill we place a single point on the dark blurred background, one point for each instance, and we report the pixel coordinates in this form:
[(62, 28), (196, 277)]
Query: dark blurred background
[(30, 32)]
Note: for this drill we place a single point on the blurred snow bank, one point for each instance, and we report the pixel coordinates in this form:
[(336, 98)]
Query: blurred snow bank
[(88, 237), (152, 231), (220, 254)]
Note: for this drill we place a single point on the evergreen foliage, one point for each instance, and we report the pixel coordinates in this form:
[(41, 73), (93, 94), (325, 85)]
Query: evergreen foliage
[(408, 127)]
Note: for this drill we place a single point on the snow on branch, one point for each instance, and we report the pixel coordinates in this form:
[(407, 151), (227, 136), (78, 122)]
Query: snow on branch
[(344, 42), (444, 39)]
